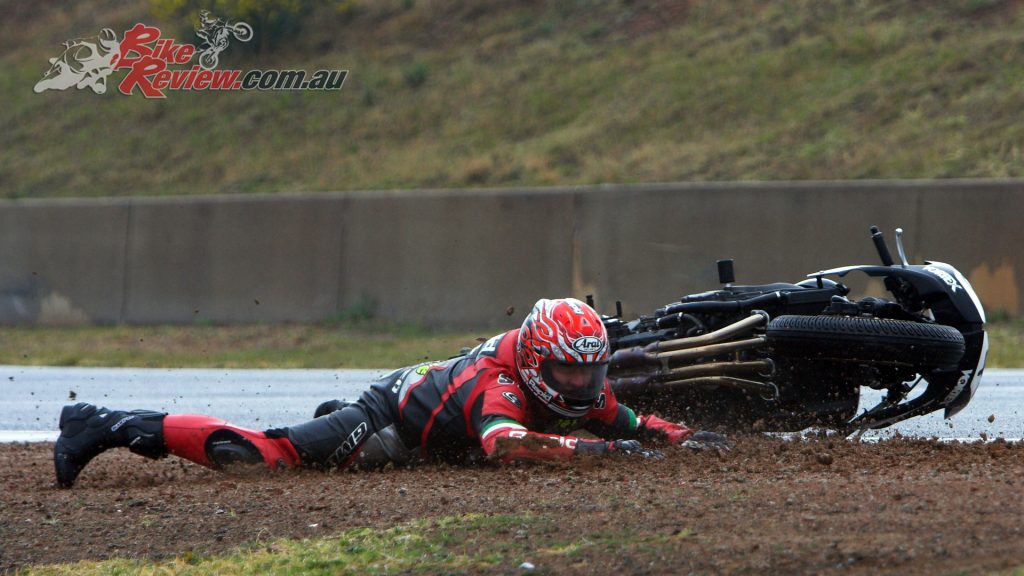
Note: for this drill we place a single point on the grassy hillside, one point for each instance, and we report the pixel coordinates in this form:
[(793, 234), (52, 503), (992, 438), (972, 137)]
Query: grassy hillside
[(493, 93)]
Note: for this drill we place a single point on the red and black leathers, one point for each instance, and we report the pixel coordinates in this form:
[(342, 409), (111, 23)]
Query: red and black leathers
[(447, 410), (441, 410)]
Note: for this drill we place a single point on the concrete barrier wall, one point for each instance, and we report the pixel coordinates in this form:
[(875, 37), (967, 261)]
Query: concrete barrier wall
[(261, 259), (62, 262), (456, 258), (478, 257)]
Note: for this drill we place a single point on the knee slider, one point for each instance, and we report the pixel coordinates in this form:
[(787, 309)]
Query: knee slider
[(382, 448), (225, 447)]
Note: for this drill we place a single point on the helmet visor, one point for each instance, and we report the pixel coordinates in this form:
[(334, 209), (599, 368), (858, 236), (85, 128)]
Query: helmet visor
[(577, 383)]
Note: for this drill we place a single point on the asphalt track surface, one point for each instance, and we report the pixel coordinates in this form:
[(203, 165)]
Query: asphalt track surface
[(31, 398)]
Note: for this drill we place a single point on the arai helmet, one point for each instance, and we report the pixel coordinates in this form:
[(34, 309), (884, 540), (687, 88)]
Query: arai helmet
[(562, 355)]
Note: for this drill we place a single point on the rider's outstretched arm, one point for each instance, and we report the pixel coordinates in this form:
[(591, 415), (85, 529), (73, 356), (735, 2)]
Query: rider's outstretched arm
[(505, 436), (506, 440)]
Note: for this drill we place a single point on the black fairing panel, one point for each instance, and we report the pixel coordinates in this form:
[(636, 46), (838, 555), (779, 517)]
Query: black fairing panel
[(952, 306)]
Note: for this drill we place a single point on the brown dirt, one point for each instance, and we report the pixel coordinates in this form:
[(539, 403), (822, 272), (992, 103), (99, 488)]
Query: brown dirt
[(817, 506)]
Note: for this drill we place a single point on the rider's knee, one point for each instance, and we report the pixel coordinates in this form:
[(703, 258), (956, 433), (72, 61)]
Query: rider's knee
[(214, 443)]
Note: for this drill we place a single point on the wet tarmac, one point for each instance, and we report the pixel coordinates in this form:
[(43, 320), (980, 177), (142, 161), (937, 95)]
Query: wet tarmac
[(31, 398)]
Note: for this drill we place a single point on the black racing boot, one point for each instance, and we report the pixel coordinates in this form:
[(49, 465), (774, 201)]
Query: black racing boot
[(329, 406), (86, 430)]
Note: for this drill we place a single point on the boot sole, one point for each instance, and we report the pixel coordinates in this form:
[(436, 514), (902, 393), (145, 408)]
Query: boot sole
[(66, 470)]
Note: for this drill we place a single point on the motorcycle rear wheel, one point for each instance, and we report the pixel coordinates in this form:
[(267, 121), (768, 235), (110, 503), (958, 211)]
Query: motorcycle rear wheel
[(865, 340)]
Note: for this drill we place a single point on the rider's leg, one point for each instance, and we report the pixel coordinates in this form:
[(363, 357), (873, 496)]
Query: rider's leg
[(359, 434), (86, 431), (214, 443)]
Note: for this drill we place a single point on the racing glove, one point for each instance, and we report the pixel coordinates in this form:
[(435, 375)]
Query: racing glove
[(626, 447), (704, 440)]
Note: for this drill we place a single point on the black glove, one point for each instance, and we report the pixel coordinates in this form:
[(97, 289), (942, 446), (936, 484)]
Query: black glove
[(633, 447), (602, 448), (704, 440)]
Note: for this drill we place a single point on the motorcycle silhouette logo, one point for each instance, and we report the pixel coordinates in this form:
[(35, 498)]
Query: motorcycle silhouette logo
[(216, 34), (85, 62)]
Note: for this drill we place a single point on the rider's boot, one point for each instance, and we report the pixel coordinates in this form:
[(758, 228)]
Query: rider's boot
[(329, 406), (86, 431)]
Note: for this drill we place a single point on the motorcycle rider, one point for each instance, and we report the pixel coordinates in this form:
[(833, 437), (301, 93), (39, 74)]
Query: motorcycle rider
[(516, 396), (210, 28)]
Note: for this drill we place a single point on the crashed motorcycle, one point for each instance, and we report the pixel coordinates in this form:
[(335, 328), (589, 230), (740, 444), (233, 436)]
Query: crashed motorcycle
[(785, 357)]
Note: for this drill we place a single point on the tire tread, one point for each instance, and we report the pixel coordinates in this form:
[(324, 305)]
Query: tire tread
[(876, 340)]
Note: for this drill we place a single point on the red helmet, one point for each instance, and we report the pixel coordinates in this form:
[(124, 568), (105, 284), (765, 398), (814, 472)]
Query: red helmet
[(562, 355)]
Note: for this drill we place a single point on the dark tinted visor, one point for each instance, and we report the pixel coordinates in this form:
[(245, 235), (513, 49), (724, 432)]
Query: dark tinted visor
[(577, 383)]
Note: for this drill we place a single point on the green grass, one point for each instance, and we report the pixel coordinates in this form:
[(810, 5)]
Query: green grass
[(442, 546), (450, 545), (1006, 344), (492, 93), (360, 345), (342, 345)]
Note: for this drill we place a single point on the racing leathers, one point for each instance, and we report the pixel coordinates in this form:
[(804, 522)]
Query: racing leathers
[(445, 410)]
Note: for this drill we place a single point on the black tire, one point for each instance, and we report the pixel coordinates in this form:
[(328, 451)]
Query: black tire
[(866, 340)]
